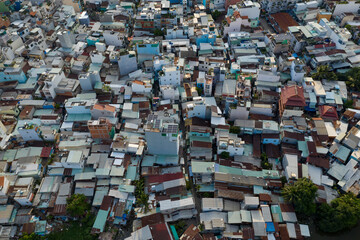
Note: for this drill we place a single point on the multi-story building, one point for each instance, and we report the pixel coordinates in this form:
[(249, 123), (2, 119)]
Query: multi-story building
[(162, 135), (66, 38), (100, 129), (229, 142), (170, 75), (292, 101)]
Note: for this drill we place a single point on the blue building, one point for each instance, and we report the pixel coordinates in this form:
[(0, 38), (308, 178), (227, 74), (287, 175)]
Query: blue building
[(13, 74), (206, 38), (147, 51)]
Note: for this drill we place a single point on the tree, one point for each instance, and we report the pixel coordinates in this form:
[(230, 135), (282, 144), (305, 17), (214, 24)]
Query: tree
[(199, 91), (180, 227), (143, 200), (348, 104), (302, 195), (225, 155), (265, 161), (324, 72), (188, 185), (32, 236), (351, 78), (348, 27), (159, 32), (216, 14), (77, 205), (342, 213), (141, 197), (234, 129)]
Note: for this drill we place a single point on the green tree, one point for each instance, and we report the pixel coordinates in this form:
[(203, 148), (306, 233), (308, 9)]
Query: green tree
[(302, 195), (324, 72), (79, 230), (159, 32), (215, 14), (265, 161), (180, 227), (32, 236), (199, 91), (188, 185), (77, 205), (225, 155), (341, 214), (348, 104), (351, 78), (348, 27), (141, 197), (234, 129)]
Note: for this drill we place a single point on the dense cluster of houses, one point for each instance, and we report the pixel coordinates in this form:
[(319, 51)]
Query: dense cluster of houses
[(209, 106)]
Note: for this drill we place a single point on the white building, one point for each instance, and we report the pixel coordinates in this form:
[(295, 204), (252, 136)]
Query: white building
[(212, 204), (97, 57), (290, 164), (127, 63), (234, 25), (177, 209), (340, 36), (113, 38), (88, 80), (249, 9), (78, 106), (30, 133), (229, 142), (169, 92), (170, 75), (200, 107), (162, 136), (51, 78), (346, 7), (141, 86), (75, 159), (297, 70), (66, 38), (23, 187)]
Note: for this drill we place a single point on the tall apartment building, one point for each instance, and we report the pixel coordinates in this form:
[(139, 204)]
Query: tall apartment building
[(100, 129), (66, 38), (162, 135)]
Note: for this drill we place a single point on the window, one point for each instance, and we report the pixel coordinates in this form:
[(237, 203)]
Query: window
[(174, 135), (163, 134)]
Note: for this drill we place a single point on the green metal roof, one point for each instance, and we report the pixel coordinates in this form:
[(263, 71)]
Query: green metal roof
[(234, 217), (200, 139), (131, 173), (127, 188), (100, 220), (9, 155), (174, 233), (249, 173), (78, 117), (302, 146), (202, 167), (276, 213)]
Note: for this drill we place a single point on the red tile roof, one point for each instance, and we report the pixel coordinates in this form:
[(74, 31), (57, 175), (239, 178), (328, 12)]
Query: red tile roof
[(284, 20), (318, 161), (191, 233), (154, 179), (328, 112), (292, 96), (160, 231), (45, 152), (256, 145)]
